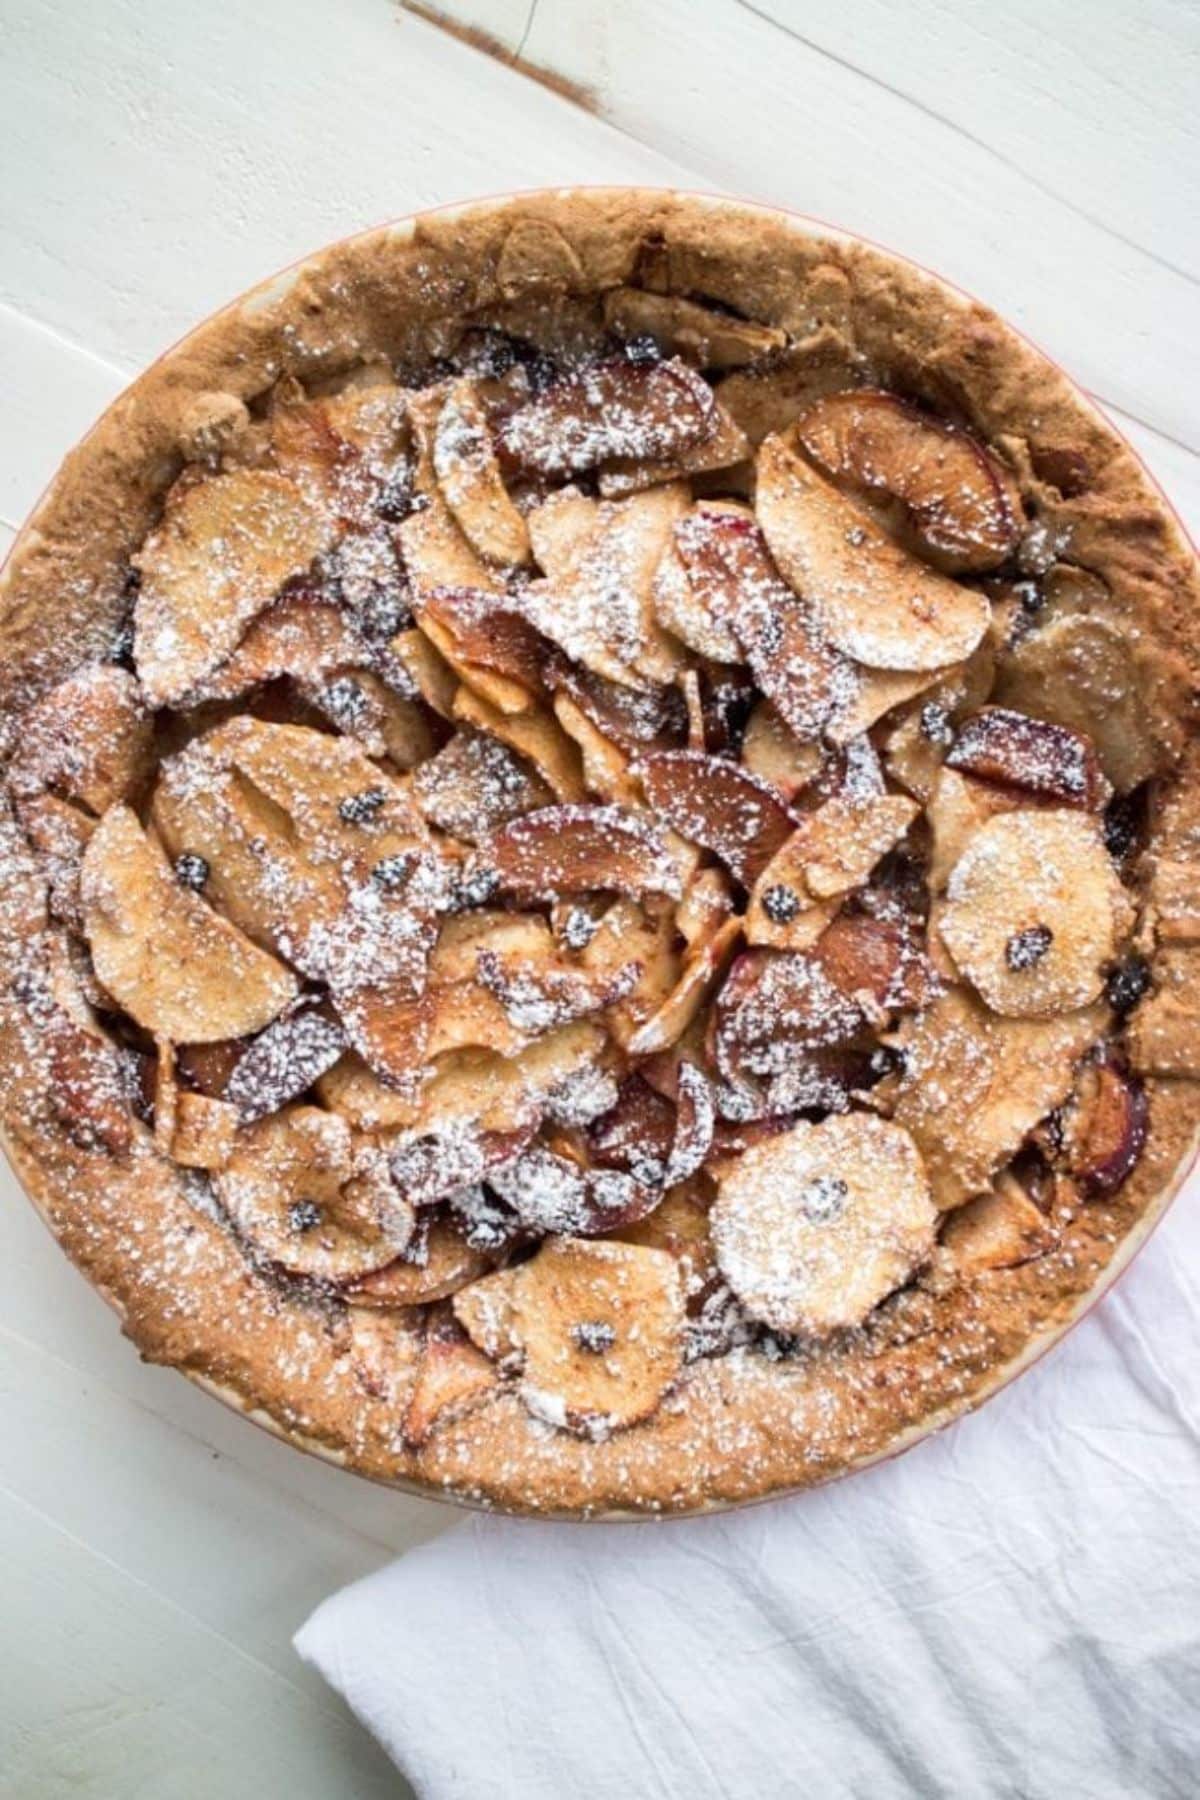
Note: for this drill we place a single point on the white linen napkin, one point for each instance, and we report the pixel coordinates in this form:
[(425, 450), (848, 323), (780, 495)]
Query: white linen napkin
[(1012, 1609)]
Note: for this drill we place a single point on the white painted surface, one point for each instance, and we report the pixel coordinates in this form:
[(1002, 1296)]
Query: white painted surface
[(155, 1551)]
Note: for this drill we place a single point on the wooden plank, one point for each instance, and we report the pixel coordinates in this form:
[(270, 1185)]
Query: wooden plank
[(111, 1690), (978, 139), (172, 155)]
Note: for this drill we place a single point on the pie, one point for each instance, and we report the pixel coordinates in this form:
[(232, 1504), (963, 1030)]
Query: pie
[(602, 841)]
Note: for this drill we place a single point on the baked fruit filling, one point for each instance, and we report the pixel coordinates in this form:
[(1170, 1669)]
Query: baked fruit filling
[(603, 851)]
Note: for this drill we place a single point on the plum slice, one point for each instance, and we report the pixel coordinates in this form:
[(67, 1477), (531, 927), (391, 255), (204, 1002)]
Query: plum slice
[(1105, 1126), (650, 411), (1010, 748), (565, 850), (961, 503), (720, 805)]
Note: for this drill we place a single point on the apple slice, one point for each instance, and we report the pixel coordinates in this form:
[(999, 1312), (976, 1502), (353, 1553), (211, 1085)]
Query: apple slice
[(223, 550), (697, 611), (205, 1132), (298, 636), (60, 833), (680, 1006), (734, 580), (308, 1199), (475, 784), (606, 774), (999, 745), (179, 968), (772, 752), (635, 719), (488, 633), (559, 527), (88, 739), (814, 1227), (453, 1379), (541, 995), (871, 599), (651, 411), (432, 1165), (695, 1124), (600, 612), (1104, 1126), (973, 1084), (720, 805), (725, 450), (1000, 1230), (600, 1328), (636, 1134), (1034, 912), (959, 500), (535, 735), (468, 472), (774, 1005), (436, 1263), (567, 850), (710, 339)]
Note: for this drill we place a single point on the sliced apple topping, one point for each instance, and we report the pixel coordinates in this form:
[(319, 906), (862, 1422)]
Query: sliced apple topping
[(1104, 1126), (667, 1024), (436, 1262), (961, 503), (710, 339), (606, 772), (679, 1225), (599, 1329), (815, 1226), (307, 845), (773, 1008), (567, 850), (484, 633), (225, 547), (635, 719), (559, 527), (298, 636), (306, 1196), (179, 968), (385, 1349), (600, 612), (457, 1153), (468, 472), (651, 411), (872, 600), (719, 805), (697, 610), (973, 1085), (88, 740), (1000, 1230), (475, 784), (1008, 747), (437, 553), (1034, 912), (453, 1379), (535, 735), (205, 1131), (773, 752)]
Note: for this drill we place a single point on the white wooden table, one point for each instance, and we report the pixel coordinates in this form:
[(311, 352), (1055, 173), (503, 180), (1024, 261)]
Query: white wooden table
[(156, 1552)]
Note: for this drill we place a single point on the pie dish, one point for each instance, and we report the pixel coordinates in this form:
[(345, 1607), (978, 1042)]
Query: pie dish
[(601, 832)]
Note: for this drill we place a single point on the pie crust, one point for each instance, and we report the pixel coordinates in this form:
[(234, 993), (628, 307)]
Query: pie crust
[(460, 1375)]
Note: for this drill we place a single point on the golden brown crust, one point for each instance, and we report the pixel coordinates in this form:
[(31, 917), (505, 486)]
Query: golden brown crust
[(737, 1427)]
